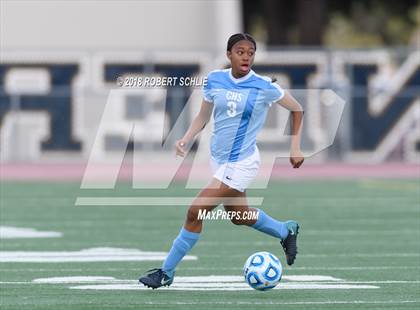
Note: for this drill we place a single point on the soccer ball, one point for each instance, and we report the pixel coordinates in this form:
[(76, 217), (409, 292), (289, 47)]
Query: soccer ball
[(262, 271)]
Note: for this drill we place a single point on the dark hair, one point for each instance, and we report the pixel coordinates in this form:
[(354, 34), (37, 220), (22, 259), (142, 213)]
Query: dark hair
[(239, 37)]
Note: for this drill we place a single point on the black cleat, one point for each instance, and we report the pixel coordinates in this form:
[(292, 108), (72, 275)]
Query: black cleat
[(155, 278), (289, 243)]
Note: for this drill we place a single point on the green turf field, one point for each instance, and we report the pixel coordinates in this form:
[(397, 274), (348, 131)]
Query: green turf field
[(364, 234)]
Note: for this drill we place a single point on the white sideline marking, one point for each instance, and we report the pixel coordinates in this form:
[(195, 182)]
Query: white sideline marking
[(223, 287), (10, 232), (206, 283), (211, 283), (77, 279), (200, 280), (86, 255), (113, 280)]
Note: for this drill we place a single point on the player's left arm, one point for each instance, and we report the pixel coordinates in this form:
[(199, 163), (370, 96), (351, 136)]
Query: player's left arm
[(290, 103)]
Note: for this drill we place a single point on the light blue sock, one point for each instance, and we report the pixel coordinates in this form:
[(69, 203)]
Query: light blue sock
[(180, 247), (270, 226)]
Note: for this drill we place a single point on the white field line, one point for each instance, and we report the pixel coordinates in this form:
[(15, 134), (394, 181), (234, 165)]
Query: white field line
[(212, 286), (11, 232), (107, 281), (212, 281), (223, 287), (86, 255), (203, 283), (131, 282), (98, 280), (76, 279), (192, 279)]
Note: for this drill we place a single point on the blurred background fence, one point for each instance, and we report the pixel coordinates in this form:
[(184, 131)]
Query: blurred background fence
[(60, 61)]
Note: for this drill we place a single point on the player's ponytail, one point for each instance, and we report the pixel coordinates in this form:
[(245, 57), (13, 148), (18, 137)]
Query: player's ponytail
[(239, 37)]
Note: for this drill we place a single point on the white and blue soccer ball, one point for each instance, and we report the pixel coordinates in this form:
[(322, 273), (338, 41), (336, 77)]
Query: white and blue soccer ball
[(262, 271)]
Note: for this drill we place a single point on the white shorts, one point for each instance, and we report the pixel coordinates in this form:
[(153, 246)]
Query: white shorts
[(240, 174)]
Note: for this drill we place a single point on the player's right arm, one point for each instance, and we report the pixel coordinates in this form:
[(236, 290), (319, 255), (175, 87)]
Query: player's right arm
[(290, 103), (197, 125)]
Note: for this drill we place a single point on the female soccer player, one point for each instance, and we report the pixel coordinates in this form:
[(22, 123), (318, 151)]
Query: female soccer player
[(240, 99)]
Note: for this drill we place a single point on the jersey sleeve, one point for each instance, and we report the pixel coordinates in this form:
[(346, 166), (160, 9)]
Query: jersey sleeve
[(275, 93), (208, 93)]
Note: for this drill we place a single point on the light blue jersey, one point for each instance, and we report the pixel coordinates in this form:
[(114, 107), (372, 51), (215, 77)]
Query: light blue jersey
[(240, 109)]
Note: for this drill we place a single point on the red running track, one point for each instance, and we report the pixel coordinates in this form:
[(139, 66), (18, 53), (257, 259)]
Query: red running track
[(75, 172)]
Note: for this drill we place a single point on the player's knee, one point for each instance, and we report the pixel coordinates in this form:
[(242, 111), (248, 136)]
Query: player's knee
[(193, 214)]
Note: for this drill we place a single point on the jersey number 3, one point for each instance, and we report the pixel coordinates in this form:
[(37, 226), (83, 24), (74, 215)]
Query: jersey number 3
[(231, 111)]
